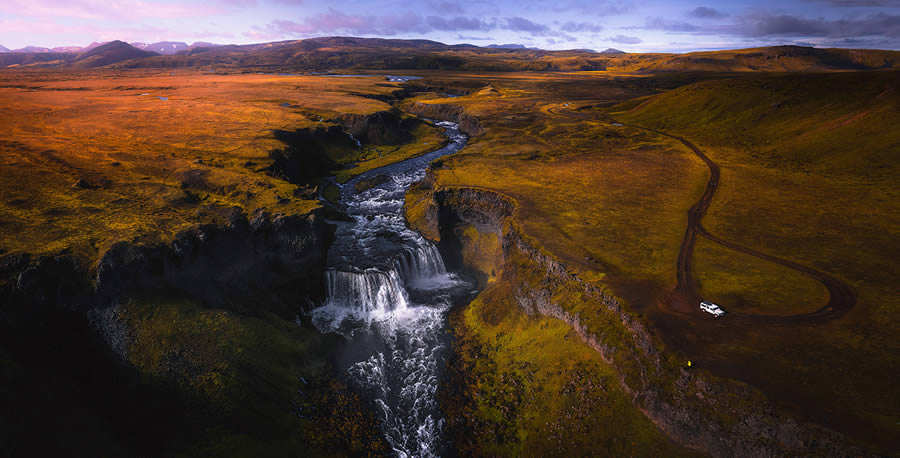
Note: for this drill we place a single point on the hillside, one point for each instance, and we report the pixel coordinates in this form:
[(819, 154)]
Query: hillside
[(367, 53), (109, 53), (811, 123), (99, 56), (325, 53), (771, 59), (808, 174)]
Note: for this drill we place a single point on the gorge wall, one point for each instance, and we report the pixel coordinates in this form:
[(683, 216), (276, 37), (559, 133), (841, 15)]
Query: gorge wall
[(722, 417)]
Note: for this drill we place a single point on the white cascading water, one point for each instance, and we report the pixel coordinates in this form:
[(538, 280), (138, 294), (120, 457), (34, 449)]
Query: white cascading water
[(388, 285), (367, 291)]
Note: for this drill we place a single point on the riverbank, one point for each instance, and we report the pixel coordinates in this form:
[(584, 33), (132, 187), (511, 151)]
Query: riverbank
[(150, 251)]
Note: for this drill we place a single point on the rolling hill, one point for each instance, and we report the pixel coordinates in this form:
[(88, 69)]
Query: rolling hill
[(827, 123), (369, 53), (109, 53), (99, 56), (327, 53), (770, 59)]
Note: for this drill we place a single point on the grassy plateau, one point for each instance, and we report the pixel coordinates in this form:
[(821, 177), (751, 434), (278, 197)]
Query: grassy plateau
[(587, 148), (808, 174)]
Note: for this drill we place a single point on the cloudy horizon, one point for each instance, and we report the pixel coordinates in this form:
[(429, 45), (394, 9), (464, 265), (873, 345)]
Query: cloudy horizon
[(640, 26)]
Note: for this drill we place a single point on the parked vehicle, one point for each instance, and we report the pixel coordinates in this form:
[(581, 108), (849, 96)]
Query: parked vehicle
[(712, 309)]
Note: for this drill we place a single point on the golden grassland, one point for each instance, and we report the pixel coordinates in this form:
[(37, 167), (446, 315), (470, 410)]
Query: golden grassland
[(538, 389), (87, 160), (808, 174), (150, 166)]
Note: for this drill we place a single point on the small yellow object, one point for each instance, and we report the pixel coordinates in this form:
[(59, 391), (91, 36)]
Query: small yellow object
[(689, 364)]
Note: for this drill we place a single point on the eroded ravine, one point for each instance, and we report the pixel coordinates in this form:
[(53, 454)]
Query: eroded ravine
[(388, 293)]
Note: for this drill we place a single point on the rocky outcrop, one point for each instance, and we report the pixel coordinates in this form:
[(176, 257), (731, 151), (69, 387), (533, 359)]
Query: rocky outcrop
[(379, 128), (307, 154), (722, 417), (271, 261), (468, 124)]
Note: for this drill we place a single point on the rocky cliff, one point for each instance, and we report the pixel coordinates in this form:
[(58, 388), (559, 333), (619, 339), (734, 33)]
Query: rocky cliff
[(273, 259), (468, 124), (718, 416), (176, 347)]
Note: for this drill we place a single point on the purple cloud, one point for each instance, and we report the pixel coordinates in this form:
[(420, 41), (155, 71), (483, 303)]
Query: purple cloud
[(458, 23), (625, 40), (765, 24), (336, 22), (520, 24), (669, 26), (703, 12), (446, 6), (575, 27)]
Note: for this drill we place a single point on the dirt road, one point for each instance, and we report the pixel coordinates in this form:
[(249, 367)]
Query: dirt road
[(841, 296)]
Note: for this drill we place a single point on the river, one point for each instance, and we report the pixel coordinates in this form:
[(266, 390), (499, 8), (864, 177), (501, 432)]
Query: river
[(389, 293)]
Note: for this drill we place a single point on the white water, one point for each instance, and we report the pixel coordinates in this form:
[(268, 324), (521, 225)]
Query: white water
[(388, 285)]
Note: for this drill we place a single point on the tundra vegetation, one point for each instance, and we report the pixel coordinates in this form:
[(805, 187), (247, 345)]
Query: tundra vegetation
[(131, 153)]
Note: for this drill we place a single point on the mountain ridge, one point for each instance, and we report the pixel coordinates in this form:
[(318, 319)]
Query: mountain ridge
[(325, 53)]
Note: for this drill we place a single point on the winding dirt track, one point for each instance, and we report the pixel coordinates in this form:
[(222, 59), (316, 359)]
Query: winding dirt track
[(841, 298)]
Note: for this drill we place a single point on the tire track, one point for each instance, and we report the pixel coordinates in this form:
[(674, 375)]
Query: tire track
[(841, 297)]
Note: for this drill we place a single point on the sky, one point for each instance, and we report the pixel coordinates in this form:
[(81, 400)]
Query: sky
[(633, 26)]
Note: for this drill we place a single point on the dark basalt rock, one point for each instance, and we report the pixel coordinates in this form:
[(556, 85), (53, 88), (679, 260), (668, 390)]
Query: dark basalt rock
[(273, 260), (379, 128), (83, 184), (369, 183), (468, 124), (304, 159)]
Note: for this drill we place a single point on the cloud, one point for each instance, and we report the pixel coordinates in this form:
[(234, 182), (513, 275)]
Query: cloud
[(703, 12), (575, 27), (465, 37), (625, 40), (104, 9), (239, 3), (780, 25), (863, 3), (335, 21), (881, 30), (458, 23), (591, 7), (520, 24), (446, 7), (669, 26)]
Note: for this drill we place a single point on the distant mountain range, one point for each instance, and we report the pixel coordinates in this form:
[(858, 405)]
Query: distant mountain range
[(94, 55), (327, 53), (508, 46), (162, 47)]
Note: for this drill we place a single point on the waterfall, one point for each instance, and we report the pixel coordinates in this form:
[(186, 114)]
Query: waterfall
[(389, 286), (373, 290), (422, 262), (368, 291)]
